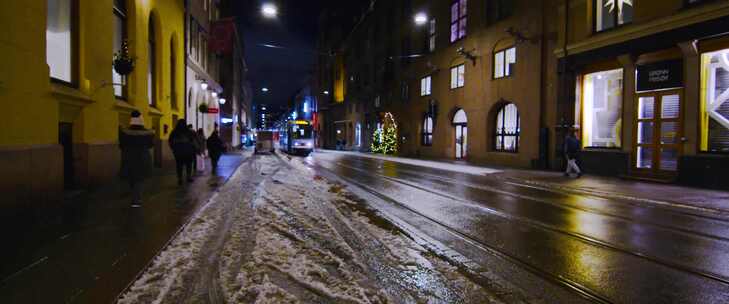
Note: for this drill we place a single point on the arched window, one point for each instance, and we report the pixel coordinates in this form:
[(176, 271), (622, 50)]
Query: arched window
[(428, 131), (508, 126), (151, 63), (460, 121)]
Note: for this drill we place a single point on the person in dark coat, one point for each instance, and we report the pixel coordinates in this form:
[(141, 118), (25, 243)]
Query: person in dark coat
[(200, 140), (182, 143), (572, 149), (215, 149), (135, 143)]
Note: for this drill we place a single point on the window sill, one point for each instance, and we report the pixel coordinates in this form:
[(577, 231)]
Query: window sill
[(70, 95), (123, 105), (154, 111)]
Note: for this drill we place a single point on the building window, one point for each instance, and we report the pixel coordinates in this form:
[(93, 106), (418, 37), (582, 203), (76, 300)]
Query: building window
[(497, 10), (60, 30), (458, 20), (120, 35), (508, 127), (425, 86), (612, 13), (602, 104), (173, 74), (151, 63), (431, 35), (428, 131), (504, 62), (458, 76), (714, 108)]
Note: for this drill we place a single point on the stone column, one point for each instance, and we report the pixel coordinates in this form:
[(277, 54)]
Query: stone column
[(691, 96)]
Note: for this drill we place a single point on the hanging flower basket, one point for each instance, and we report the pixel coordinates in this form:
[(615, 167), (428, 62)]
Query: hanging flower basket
[(203, 108), (123, 62)]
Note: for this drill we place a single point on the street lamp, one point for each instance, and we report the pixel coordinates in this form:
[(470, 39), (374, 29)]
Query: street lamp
[(420, 18), (326, 92), (269, 10), (215, 94), (204, 85), (264, 90), (221, 100)]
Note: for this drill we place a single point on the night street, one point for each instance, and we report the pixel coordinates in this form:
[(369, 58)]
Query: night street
[(364, 151)]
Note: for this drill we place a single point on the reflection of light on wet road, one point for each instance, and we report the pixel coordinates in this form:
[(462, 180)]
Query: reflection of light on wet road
[(590, 224)]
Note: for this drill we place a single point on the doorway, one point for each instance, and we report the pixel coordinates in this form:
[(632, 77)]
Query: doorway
[(460, 121), (658, 135), (65, 139)]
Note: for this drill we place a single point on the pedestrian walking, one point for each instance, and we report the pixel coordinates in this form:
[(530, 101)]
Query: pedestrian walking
[(215, 149), (196, 145), (136, 160), (182, 142), (200, 139), (572, 149)]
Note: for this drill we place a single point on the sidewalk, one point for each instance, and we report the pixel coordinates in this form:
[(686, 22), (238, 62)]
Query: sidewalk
[(91, 251), (661, 195)]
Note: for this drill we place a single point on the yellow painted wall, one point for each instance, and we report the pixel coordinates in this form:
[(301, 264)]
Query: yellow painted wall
[(33, 106)]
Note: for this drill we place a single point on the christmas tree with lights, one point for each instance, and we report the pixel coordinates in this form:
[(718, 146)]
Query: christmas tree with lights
[(384, 139)]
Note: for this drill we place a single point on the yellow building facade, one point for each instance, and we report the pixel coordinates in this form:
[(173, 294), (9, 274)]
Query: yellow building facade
[(63, 103)]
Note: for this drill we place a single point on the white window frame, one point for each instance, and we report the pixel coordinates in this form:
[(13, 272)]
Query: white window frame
[(426, 86), (458, 76), (503, 62), (459, 20)]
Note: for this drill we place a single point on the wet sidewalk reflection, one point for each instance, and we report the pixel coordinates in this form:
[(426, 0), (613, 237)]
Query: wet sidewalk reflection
[(97, 244)]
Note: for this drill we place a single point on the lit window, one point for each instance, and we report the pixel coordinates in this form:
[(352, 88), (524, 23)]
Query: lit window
[(508, 127), (458, 20), (601, 109), (59, 39), (715, 101), (358, 134), (120, 34), (427, 131), (151, 62), (458, 76), (425, 86), (504, 62), (612, 13)]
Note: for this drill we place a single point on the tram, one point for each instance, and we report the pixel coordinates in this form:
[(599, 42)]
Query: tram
[(297, 137)]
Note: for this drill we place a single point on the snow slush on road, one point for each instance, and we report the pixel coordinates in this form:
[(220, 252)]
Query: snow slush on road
[(279, 233)]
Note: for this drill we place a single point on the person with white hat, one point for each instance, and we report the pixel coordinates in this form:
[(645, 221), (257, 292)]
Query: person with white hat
[(135, 143)]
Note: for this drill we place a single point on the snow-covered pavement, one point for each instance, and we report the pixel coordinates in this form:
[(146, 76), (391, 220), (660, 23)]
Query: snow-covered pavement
[(278, 233)]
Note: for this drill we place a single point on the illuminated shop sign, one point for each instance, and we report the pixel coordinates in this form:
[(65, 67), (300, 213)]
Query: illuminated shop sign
[(660, 75)]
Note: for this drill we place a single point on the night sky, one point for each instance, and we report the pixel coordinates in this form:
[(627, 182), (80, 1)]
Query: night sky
[(284, 70)]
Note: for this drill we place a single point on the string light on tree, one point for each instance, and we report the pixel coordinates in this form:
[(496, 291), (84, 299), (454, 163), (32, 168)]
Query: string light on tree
[(384, 139)]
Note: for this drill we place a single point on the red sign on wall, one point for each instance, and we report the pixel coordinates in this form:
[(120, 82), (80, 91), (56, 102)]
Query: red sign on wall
[(213, 110)]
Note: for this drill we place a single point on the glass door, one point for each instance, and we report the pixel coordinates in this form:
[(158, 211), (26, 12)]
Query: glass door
[(658, 133), (461, 141)]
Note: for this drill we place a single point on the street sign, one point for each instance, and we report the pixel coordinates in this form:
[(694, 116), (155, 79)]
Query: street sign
[(213, 110)]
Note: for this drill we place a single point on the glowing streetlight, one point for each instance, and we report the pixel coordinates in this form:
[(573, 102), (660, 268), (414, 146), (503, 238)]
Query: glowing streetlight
[(215, 94), (269, 10), (264, 90), (420, 18), (221, 100), (204, 85), (326, 92)]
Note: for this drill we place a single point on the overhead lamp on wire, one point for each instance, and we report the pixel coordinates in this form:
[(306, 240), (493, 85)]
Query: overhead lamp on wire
[(264, 90), (221, 100), (204, 85), (420, 18), (269, 10)]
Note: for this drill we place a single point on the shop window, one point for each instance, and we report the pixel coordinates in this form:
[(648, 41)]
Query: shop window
[(601, 108), (508, 127), (428, 131), (60, 30), (612, 13), (458, 76), (715, 101), (458, 20), (504, 62), (431, 35), (120, 35), (425, 86), (151, 62), (358, 135)]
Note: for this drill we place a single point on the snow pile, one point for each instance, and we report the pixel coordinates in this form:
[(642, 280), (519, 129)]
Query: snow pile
[(473, 170)]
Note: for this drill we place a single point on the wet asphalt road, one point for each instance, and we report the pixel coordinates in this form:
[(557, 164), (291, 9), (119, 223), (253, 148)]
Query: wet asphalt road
[(594, 249)]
